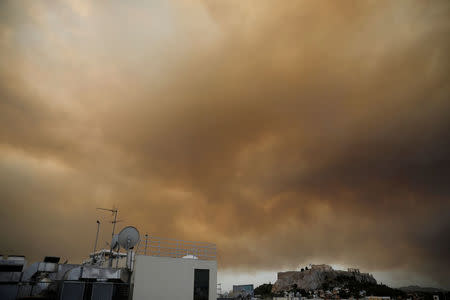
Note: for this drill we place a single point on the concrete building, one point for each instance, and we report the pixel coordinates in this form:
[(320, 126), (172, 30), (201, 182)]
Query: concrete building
[(243, 290), (162, 269), (174, 278), (378, 298)]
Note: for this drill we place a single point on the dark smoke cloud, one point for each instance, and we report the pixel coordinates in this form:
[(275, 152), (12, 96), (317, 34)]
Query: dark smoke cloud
[(314, 132)]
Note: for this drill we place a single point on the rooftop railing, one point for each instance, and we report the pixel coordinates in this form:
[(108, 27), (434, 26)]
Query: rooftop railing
[(157, 246)]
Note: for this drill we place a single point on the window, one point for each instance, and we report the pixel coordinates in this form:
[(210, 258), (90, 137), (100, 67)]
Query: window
[(201, 284)]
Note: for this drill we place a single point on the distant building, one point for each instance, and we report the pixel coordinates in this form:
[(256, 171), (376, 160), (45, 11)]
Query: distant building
[(378, 298), (288, 297), (321, 267), (243, 290)]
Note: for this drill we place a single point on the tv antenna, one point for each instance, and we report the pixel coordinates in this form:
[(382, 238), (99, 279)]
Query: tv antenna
[(114, 212), (96, 237)]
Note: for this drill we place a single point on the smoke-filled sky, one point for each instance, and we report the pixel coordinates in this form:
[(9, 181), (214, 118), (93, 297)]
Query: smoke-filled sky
[(286, 132)]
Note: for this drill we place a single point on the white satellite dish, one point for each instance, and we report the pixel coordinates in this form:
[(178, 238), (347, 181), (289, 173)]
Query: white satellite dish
[(128, 237)]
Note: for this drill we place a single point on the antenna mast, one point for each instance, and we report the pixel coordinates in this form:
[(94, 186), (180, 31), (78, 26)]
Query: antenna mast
[(114, 211), (96, 237)]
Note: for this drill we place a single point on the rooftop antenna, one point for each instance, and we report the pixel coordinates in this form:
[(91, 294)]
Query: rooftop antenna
[(219, 289), (96, 237), (146, 241), (114, 212)]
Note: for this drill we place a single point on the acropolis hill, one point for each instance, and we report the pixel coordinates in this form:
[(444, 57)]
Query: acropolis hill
[(317, 276)]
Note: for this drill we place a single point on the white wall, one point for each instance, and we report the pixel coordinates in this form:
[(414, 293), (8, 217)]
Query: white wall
[(161, 278)]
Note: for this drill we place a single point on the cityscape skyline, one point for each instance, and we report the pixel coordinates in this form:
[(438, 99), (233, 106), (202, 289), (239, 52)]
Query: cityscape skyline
[(286, 134)]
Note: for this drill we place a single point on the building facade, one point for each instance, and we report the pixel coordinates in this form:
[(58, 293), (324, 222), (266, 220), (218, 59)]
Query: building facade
[(168, 278)]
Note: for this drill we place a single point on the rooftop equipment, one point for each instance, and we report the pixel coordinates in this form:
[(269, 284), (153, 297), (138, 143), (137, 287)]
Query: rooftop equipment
[(128, 237), (97, 279)]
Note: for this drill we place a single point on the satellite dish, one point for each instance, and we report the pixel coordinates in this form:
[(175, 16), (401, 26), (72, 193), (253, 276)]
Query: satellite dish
[(128, 237), (115, 242)]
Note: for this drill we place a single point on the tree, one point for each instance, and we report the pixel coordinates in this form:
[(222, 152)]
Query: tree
[(264, 289)]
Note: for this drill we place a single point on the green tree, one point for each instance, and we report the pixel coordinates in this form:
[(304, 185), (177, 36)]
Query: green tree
[(264, 290)]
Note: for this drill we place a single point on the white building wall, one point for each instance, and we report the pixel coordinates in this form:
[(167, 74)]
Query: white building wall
[(161, 278)]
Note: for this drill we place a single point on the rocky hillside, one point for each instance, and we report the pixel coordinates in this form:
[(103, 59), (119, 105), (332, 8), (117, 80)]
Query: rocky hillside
[(319, 276)]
